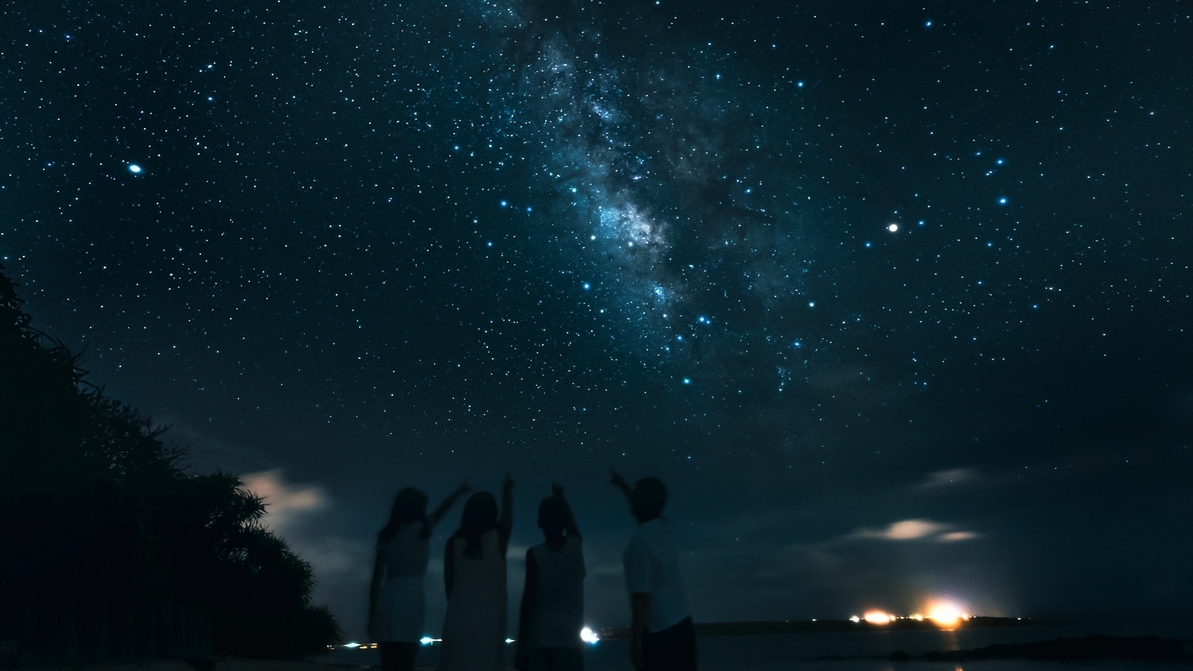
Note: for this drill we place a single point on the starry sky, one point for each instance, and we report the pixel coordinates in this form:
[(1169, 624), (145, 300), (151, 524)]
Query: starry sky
[(895, 297)]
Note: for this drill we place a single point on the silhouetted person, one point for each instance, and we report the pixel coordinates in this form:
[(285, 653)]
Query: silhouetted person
[(661, 632), (397, 596), (474, 574), (553, 599)]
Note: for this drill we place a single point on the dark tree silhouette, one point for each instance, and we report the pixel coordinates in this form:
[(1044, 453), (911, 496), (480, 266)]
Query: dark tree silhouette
[(98, 513)]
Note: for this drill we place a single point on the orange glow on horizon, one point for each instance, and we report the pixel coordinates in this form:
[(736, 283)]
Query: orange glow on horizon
[(878, 617), (946, 615)]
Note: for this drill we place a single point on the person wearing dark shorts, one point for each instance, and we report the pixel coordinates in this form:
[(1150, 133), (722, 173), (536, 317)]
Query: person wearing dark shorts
[(662, 637)]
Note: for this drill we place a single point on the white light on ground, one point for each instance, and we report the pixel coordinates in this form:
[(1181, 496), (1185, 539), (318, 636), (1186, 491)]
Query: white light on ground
[(589, 636)]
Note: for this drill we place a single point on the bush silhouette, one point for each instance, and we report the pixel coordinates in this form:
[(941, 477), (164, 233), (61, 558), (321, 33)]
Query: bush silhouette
[(97, 511)]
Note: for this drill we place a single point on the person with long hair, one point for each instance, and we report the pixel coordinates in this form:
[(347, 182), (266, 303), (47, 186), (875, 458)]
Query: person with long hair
[(397, 595), (474, 575), (553, 599)]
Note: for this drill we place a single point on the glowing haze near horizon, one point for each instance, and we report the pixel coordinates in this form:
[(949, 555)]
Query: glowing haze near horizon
[(896, 299)]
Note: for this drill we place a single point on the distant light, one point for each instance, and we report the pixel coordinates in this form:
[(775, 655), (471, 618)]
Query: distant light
[(587, 286), (427, 640), (799, 84), (509, 640), (946, 615), (893, 228), (134, 168), (505, 203), (877, 617), (927, 24), (589, 636), (687, 380), (855, 619), (811, 304), (351, 645), (1002, 201)]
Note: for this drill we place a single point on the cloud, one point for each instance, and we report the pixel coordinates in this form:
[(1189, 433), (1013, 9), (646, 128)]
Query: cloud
[(285, 504), (914, 529), (297, 513), (947, 478)]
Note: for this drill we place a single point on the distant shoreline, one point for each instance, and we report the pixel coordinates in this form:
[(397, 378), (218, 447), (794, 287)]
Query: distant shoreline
[(772, 627)]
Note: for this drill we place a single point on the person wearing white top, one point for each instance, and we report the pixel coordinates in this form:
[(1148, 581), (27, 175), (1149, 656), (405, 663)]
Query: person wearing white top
[(661, 633), (397, 595), (553, 599)]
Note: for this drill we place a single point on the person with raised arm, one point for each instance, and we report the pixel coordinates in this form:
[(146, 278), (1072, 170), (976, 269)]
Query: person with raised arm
[(397, 595), (474, 575), (661, 633), (553, 599)]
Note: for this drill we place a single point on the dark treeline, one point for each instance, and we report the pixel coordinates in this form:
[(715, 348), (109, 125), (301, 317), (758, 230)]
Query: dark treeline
[(102, 526)]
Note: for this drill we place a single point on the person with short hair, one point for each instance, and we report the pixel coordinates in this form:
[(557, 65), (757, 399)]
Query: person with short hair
[(553, 598), (397, 595), (662, 637)]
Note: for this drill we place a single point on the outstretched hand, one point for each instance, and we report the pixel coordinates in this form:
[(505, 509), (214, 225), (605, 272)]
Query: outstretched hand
[(464, 487), (616, 480)]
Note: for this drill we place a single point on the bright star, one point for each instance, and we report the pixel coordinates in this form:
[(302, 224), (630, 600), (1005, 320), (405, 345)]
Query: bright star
[(587, 286), (893, 228), (1002, 201), (134, 168), (687, 380)]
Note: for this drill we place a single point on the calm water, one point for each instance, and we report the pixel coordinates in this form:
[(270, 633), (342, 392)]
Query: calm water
[(796, 652)]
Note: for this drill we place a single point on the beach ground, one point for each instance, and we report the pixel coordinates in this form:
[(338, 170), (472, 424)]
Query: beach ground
[(223, 664)]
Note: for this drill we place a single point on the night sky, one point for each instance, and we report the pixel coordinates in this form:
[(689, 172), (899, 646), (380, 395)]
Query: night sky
[(896, 298)]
